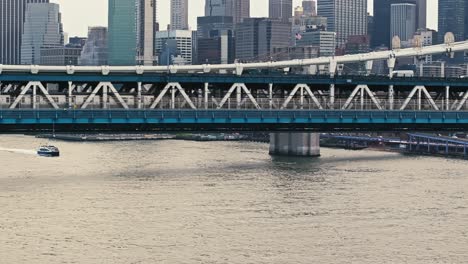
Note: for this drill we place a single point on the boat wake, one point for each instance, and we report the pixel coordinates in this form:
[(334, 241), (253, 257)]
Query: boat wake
[(19, 151)]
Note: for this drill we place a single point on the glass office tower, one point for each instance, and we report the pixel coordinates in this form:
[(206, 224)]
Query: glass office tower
[(122, 37), (452, 17), (42, 29), (11, 29)]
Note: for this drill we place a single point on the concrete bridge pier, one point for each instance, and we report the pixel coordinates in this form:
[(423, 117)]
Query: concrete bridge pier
[(295, 144)]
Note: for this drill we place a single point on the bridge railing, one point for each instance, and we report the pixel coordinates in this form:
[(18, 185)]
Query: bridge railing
[(264, 103), (210, 114)]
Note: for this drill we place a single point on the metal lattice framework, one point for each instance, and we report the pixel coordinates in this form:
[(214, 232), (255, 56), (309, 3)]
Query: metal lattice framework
[(236, 92), (229, 86)]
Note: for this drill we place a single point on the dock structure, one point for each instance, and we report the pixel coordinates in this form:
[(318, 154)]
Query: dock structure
[(437, 145)]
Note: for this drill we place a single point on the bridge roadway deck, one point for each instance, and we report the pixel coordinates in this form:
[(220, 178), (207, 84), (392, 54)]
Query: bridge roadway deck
[(259, 78), (230, 120)]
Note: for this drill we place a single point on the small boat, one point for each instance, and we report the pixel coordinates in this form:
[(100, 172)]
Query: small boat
[(48, 151)]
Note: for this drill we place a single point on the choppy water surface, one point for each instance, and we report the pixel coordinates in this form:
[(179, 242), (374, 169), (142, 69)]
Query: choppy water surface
[(190, 202)]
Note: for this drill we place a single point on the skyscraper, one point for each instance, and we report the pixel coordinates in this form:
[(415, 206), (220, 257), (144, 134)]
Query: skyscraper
[(309, 7), (122, 32), (466, 20), (11, 29), (324, 40), (172, 44), (215, 39), (452, 18), (237, 9), (241, 10), (94, 51), (421, 6), (207, 24), (215, 8), (42, 30), (403, 21), (281, 9), (146, 30), (256, 38), (381, 33), (344, 17), (179, 15)]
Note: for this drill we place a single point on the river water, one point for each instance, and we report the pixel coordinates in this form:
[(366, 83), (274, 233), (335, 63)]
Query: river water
[(227, 202)]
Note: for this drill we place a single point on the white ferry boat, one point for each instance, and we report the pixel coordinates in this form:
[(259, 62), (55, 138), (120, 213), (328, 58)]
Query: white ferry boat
[(48, 151)]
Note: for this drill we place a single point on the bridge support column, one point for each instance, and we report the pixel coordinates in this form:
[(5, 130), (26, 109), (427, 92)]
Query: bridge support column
[(332, 96), (295, 144), (391, 95), (104, 97), (270, 95), (442, 69), (447, 98), (34, 99), (391, 65), (70, 94), (139, 103), (205, 93)]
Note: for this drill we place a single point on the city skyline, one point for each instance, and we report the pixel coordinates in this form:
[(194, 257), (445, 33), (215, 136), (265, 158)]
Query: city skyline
[(75, 26)]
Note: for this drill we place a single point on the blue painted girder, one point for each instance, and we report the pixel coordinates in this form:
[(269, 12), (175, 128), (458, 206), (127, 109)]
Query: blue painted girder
[(252, 117)]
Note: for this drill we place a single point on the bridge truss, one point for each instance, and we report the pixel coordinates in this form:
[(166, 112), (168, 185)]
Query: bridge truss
[(256, 96), (221, 92)]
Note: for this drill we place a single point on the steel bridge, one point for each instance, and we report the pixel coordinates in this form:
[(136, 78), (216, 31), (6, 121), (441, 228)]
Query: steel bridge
[(235, 96)]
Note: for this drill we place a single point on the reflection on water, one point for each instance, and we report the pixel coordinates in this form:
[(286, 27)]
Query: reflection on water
[(230, 202)]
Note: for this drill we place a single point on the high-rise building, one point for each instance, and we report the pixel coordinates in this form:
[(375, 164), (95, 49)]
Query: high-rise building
[(182, 39), (466, 20), (306, 24), (281, 9), (344, 17), (237, 9), (381, 33), (324, 40), (403, 21), (452, 17), (370, 25), (77, 41), (298, 12), (241, 10), (257, 37), (295, 53), (122, 32), (216, 8), (216, 49), (146, 29), (11, 29), (207, 24), (42, 30), (215, 39), (427, 37), (94, 51), (309, 7), (179, 15), (356, 45), (422, 14), (382, 9), (60, 56)]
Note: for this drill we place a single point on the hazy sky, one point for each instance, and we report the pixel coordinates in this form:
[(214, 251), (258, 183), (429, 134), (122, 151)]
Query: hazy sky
[(79, 14)]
